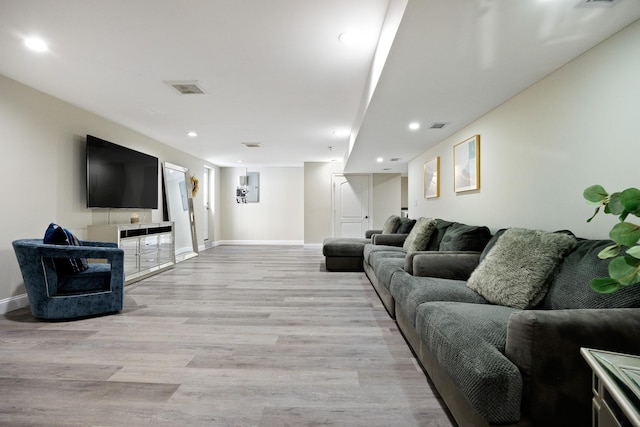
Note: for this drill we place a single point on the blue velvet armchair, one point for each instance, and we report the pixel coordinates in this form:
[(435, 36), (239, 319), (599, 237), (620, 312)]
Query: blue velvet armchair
[(53, 295)]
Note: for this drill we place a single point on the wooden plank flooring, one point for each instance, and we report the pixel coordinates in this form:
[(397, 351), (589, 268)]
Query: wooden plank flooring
[(238, 336)]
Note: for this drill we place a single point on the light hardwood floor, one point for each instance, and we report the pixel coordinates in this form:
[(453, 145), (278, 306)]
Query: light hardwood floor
[(238, 336)]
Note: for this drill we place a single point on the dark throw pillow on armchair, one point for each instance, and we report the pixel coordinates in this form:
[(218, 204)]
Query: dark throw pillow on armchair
[(56, 235)]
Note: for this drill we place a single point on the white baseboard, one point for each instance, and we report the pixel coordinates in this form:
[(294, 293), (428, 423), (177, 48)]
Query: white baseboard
[(261, 242), (13, 303), (313, 245)]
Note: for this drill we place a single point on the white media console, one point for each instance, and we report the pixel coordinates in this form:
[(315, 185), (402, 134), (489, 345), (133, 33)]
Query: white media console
[(148, 248)]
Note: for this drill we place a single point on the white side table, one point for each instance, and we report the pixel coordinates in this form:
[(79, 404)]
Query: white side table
[(616, 388)]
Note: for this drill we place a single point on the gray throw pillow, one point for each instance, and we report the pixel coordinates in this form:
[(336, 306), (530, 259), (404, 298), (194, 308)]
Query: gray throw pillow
[(517, 270), (419, 236), (391, 224)]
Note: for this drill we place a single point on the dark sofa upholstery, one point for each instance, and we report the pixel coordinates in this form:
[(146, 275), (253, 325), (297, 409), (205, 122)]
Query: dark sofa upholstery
[(448, 238), (346, 253), (498, 365)]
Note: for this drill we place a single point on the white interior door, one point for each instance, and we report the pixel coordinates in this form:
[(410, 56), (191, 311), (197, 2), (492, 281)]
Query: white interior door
[(351, 198)]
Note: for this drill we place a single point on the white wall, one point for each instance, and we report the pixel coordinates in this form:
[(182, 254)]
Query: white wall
[(387, 197), (578, 126), (43, 173), (277, 218)]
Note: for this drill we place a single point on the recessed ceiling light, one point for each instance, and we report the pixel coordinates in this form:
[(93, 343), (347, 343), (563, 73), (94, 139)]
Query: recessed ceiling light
[(36, 44), (379, 160), (341, 133), (240, 161), (192, 134), (414, 125), (348, 37)]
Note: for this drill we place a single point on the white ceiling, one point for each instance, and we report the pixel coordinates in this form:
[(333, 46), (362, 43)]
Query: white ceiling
[(275, 72)]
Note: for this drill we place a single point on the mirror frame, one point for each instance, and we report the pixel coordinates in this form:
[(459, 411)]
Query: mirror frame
[(169, 216)]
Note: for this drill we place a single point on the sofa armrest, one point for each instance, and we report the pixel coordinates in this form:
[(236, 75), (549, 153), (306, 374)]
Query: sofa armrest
[(456, 265), (369, 233), (389, 239), (545, 346)]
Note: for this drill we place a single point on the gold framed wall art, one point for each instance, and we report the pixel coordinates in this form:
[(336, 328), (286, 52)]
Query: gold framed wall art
[(466, 165)]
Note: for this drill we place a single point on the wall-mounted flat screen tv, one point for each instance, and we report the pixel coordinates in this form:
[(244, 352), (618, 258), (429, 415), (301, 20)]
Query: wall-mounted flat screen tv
[(119, 177)]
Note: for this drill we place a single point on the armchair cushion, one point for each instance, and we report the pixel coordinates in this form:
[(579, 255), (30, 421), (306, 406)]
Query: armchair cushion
[(56, 235)]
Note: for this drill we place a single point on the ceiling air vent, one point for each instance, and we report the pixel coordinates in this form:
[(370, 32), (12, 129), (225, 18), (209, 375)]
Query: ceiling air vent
[(395, 159), (252, 144), (437, 125), (190, 87), (597, 3)]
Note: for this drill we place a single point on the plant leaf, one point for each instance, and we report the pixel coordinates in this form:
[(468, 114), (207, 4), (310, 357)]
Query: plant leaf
[(634, 252), (609, 252), (614, 206), (595, 194), (625, 269), (625, 233), (605, 285), (630, 199)]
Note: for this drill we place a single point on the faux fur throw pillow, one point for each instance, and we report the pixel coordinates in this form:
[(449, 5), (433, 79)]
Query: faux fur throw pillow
[(419, 235), (517, 270), (391, 224)]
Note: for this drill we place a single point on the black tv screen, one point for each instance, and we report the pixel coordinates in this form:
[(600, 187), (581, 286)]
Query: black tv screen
[(119, 177)]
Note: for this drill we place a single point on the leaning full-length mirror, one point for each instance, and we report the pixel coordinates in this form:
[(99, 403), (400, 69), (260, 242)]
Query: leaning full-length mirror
[(179, 209)]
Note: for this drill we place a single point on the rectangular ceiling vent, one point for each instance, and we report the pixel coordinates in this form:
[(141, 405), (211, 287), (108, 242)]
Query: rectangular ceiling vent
[(395, 159), (437, 125), (252, 144), (597, 3), (191, 87)]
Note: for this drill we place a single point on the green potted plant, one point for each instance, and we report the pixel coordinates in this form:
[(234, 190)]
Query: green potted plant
[(624, 268)]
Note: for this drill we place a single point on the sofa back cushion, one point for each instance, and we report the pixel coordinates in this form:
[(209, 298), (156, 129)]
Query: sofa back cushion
[(406, 225), (438, 234), (391, 224), (461, 237), (570, 287), (420, 234), (518, 269)]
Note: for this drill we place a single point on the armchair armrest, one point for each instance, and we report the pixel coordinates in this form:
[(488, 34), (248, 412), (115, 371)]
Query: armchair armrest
[(545, 346), (98, 244), (96, 252), (389, 239), (457, 265)]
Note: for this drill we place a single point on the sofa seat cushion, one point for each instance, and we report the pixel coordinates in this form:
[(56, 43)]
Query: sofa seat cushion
[(468, 341), (385, 268), (344, 246), (409, 292), (95, 278), (392, 251), (570, 286)]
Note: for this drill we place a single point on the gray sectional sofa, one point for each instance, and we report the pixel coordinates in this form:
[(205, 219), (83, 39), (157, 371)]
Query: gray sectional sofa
[(446, 238), (345, 253), (498, 329)]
